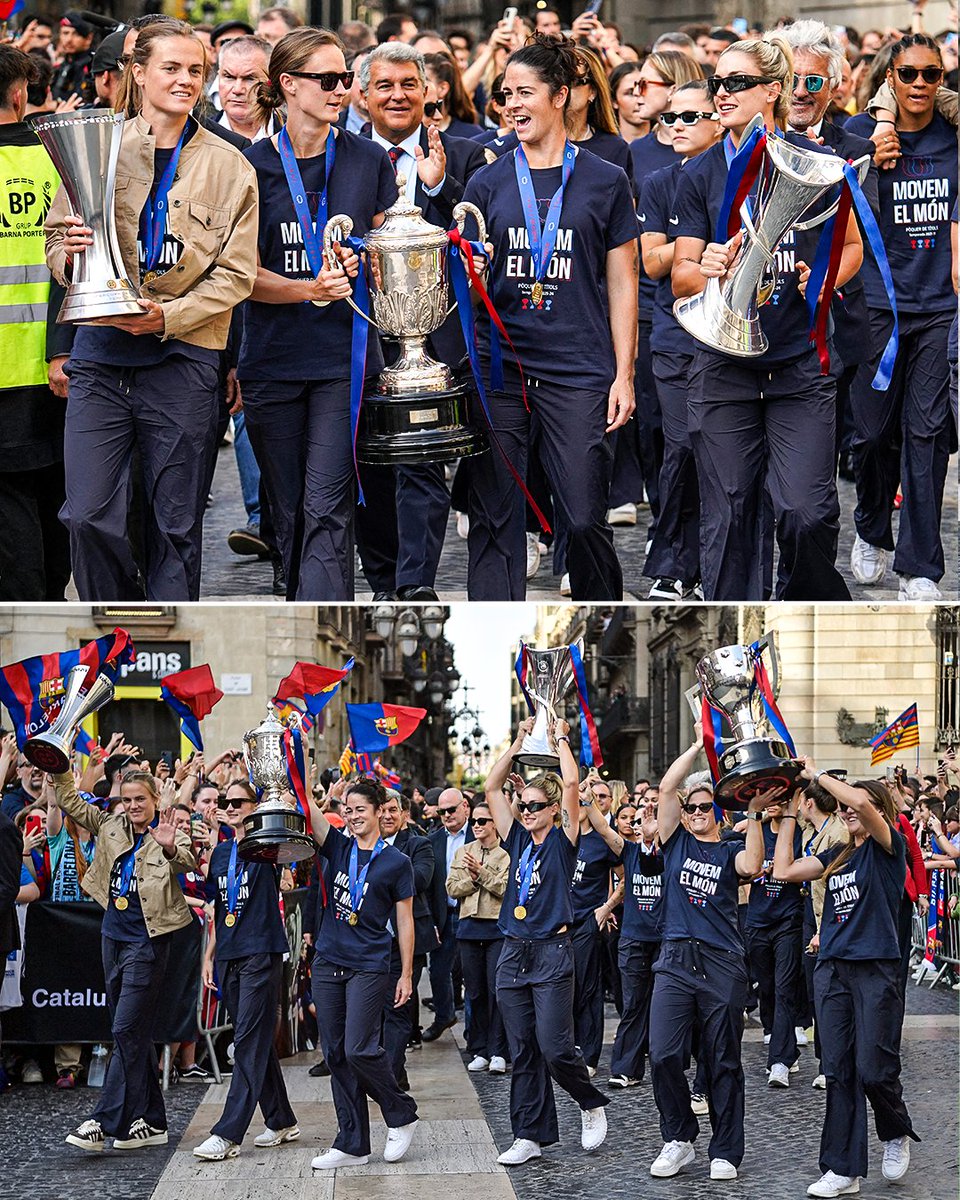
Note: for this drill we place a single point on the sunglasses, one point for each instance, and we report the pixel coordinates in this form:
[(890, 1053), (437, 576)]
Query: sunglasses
[(480, 821), (736, 83), (930, 74), (445, 812), (499, 98), (669, 119), (581, 81), (811, 83), (433, 107), (706, 807), (637, 824), (328, 80), (640, 87), (531, 806), (223, 802)]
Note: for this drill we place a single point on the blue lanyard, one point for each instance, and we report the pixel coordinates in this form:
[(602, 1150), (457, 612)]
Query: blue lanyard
[(155, 209), (312, 230), (527, 869), (358, 879), (234, 882), (126, 867), (542, 242), (808, 848)]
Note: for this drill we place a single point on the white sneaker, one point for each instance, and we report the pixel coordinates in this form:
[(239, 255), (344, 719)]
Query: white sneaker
[(721, 1169), (565, 584), (699, 1105), (273, 1137), (666, 589), (766, 1039), (795, 1068), (831, 1184), (623, 1081), (521, 1151), (801, 1034), (591, 1071), (478, 1063), (31, 1073), (820, 1083), (915, 587), (779, 1076), (329, 1160), (593, 1128), (141, 1134), (498, 1065), (867, 563), (533, 555), (896, 1159), (463, 526), (671, 1159), (87, 1136), (216, 1149), (623, 514), (398, 1142)]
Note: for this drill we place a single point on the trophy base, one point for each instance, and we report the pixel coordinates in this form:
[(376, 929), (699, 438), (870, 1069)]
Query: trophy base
[(708, 318), (546, 762), (422, 427), (753, 767), (86, 301), (276, 835), (47, 756)]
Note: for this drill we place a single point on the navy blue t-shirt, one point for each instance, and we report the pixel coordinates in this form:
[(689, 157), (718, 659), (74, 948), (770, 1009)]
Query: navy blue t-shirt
[(700, 891), (302, 341), (916, 199), (259, 926), (366, 945), (861, 901), (125, 924), (591, 875), (647, 154), (952, 347), (549, 903), (566, 339), (773, 902), (643, 894), (656, 208), (699, 198)]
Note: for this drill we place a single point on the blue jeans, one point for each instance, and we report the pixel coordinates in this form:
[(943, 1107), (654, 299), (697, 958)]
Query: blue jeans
[(247, 469)]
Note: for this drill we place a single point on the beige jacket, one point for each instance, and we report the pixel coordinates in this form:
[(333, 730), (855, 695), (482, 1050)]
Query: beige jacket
[(482, 898), (213, 211), (834, 833), (164, 908)]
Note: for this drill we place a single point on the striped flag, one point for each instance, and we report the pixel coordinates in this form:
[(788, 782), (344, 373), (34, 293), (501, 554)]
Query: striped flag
[(901, 734)]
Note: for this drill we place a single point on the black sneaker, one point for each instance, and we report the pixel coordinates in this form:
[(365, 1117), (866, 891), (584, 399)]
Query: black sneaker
[(141, 1134), (196, 1072), (88, 1136), (319, 1070)]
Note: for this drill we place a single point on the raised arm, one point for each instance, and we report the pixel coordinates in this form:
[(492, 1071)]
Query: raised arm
[(54, 815), (494, 794), (570, 776), (750, 859), (668, 806), (602, 826), (784, 865), (873, 821), (87, 815)]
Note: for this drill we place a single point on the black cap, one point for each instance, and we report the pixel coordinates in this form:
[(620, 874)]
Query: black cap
[(76, 21), (432, 795), (106, 57), (225, 26)]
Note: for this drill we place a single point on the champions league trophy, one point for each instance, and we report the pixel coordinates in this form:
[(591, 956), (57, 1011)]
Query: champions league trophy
[(725, 315), (415, 411), (275, 833), (550, 677), (753, 763), (84, 147), (50, 750)]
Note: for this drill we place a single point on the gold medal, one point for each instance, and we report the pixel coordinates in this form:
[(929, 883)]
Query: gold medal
[(230, 920), (537, 292), (121, 902), (520, 912), (150, 277), (353, 919)]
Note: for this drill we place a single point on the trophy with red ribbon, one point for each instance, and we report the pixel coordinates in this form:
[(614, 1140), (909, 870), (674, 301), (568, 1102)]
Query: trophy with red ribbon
[(277, 832), (545, 678)]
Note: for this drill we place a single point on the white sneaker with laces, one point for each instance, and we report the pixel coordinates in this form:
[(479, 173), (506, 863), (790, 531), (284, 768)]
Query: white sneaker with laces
[(721, 1169), (593, 1128), (671, 1159), (830, 1184), (533, 555), (868, 564), (820, 1083), (666, 589), (623, 1081), (896, 1159), (141, 1134), (478, 1063), (521, 1151), (565, 584), (498, 1065), (699, 1105), (398, 1142), (216, 1149), (329, 1160), (623, 514), (273, 1137), (916, 588), (87, 1136), (801, 1035), (779, 1076)]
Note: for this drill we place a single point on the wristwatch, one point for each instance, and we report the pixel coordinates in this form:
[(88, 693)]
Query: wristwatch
[(755, 816)]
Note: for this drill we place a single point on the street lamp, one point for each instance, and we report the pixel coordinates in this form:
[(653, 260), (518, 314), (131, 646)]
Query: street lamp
[(383, 619), (408, 633), (436, 691), (432, 619)]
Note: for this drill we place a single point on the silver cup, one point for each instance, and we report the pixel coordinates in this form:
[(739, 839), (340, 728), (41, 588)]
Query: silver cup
[(552, 678), (50, 750), (276, 832), (85, 147)]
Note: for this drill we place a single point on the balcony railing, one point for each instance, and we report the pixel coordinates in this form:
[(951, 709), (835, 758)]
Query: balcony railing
[(625, 716)]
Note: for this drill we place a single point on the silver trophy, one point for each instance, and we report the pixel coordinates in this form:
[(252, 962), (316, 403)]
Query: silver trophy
[(276, 832), (725, 316), (552, 678), (416, 411), (754, 762), (50, 750), (84, 147)]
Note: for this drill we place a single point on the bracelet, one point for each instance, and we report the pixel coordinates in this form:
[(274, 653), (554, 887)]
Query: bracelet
[(789, 817), (563, 738), (883, 121)]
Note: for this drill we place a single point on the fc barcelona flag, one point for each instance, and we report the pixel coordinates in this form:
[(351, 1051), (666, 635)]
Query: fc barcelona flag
[(191, 694), (374, 727), (32, 690), (316, 686), (901, 734)]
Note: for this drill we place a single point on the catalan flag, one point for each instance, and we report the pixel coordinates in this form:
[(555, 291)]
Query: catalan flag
[(901, 734)]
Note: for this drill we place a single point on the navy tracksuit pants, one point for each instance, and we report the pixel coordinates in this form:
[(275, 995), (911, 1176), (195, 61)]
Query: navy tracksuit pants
[(638, 445), (859, 1015), (300, 433), (588, 989), (697, 982), (675, 552), (134, 973), (905, 435), (774, 953), (535, 996), (568, 425), (349, 1013), (251, 990), (751, 427), (632, 1043), (478, 960), (169, 413), (400, 529)]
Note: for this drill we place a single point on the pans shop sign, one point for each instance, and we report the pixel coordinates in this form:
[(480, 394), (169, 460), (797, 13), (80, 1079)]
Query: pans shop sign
[(153, 660)]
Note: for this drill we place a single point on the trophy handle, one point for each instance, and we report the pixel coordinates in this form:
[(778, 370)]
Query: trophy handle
[(460, 213), (861, 166), (769, 642), (336, 228), (693, 696)]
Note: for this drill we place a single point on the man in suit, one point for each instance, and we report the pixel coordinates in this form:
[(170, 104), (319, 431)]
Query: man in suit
[(398, 1023), (454, 811), (400, 531)]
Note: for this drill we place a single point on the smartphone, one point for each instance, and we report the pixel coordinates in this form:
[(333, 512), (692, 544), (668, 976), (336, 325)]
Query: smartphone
[(593, 8), (166, 756), (33, 824), (890, 773), (740, 25), (508, 18)]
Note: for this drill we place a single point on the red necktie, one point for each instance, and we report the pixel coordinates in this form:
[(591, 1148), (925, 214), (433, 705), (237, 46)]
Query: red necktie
[(394, 154)]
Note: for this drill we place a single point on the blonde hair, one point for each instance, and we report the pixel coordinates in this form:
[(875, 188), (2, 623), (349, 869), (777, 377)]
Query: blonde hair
[(291, 53), (673, 66), (548, 784), (129, 95), (618, 790), (774, 58)]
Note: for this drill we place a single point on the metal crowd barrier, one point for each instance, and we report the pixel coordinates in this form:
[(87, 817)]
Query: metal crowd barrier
[(944, 902)]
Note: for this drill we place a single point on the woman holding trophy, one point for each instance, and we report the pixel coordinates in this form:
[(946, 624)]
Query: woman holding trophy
[(762, 422), (186, 206)]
